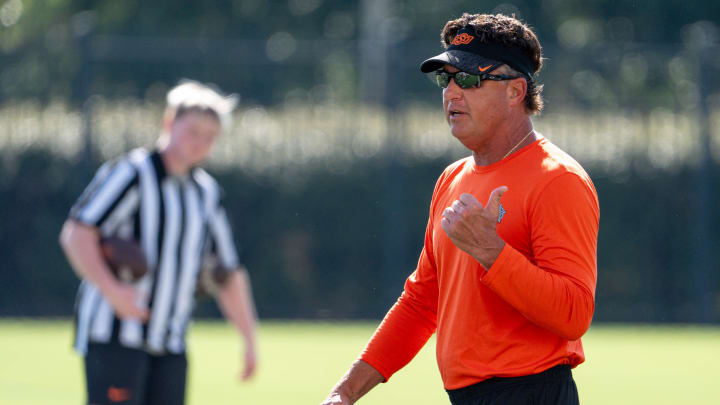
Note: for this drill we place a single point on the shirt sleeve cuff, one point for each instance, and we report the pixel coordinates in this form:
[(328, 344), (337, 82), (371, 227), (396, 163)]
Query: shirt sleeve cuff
[(508, 259), (374, 363)]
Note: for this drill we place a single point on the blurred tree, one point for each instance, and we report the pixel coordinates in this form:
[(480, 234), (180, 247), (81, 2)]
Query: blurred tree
[(39, 54)]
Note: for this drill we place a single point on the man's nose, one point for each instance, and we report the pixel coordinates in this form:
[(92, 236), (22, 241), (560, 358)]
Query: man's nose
[(452, 91)]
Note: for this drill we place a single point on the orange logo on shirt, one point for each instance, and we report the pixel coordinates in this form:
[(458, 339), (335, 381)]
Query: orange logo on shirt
[(118, 394), (462, 39)]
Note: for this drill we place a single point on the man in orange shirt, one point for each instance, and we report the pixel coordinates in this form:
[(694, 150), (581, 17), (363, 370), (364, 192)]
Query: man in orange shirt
[(508, 285)]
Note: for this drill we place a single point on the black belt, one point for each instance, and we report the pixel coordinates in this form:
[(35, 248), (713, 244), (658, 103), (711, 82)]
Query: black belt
[(560, 372)]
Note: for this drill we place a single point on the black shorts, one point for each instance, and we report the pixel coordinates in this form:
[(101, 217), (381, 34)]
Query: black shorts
[(554, 386), (119, 375)]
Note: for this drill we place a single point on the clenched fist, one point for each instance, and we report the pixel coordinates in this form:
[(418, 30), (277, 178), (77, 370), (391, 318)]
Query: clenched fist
[(472, 227)]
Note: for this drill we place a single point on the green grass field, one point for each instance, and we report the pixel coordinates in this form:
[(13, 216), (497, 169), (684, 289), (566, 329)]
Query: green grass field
[(300, 361)]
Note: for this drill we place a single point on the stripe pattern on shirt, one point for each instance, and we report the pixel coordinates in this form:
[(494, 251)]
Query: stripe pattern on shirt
[(174, 219)]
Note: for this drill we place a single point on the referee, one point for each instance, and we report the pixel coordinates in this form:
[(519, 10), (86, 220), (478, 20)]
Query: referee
[(132, 335)]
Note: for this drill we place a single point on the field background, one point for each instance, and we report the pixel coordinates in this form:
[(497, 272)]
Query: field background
[(329, 168), (300, 361)]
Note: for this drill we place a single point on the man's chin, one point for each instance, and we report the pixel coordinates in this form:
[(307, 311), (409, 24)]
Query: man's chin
[(458, 133), (198, 159), (465, 139), (198, 162)]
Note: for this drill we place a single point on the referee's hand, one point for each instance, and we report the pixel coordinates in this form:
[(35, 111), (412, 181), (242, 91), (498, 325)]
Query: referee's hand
[(250, 363), (124, 299)]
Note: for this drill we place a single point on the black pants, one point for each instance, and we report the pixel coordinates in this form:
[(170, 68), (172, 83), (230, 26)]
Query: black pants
[(120, 375), (554, 386)]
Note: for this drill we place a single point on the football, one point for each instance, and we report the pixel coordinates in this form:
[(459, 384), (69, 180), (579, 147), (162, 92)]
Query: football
[(124, 257), (212, 277)]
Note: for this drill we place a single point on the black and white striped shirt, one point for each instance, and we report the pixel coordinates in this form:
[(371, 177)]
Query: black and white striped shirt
[(176, 220)]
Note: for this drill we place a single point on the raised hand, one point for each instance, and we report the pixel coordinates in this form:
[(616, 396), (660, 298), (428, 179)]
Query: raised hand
[(473, 228)]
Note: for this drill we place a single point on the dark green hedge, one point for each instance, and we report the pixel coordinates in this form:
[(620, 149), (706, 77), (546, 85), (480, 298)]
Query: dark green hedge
[(338, 244)]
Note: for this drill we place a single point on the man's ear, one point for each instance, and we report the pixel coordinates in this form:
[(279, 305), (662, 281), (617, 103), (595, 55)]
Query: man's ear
[(168, 119), (516, 91)]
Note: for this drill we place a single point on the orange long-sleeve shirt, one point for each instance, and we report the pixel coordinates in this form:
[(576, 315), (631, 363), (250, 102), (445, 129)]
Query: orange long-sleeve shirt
[(527, 312)]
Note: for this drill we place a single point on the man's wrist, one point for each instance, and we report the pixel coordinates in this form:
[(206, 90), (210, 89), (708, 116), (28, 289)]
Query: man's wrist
[(346, 392), (487, 257)]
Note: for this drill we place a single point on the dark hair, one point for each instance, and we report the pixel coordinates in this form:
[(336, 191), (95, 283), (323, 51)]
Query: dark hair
[(508, 31)]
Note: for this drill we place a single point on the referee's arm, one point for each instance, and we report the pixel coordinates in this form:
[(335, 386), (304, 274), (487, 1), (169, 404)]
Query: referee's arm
[(235, 297), (81, 244), (236, 302)]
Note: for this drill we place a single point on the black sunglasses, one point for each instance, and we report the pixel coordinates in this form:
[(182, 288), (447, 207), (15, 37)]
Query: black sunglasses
[(467, 80)]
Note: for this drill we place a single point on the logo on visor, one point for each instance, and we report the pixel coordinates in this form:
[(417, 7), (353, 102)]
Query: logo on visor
[(482, 69), (462, 39)]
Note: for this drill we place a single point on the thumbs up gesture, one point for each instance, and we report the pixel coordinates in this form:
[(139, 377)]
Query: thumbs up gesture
[(472, 227)]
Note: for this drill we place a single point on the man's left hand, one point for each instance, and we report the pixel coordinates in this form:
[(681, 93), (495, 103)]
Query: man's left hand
[(473, 228)]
